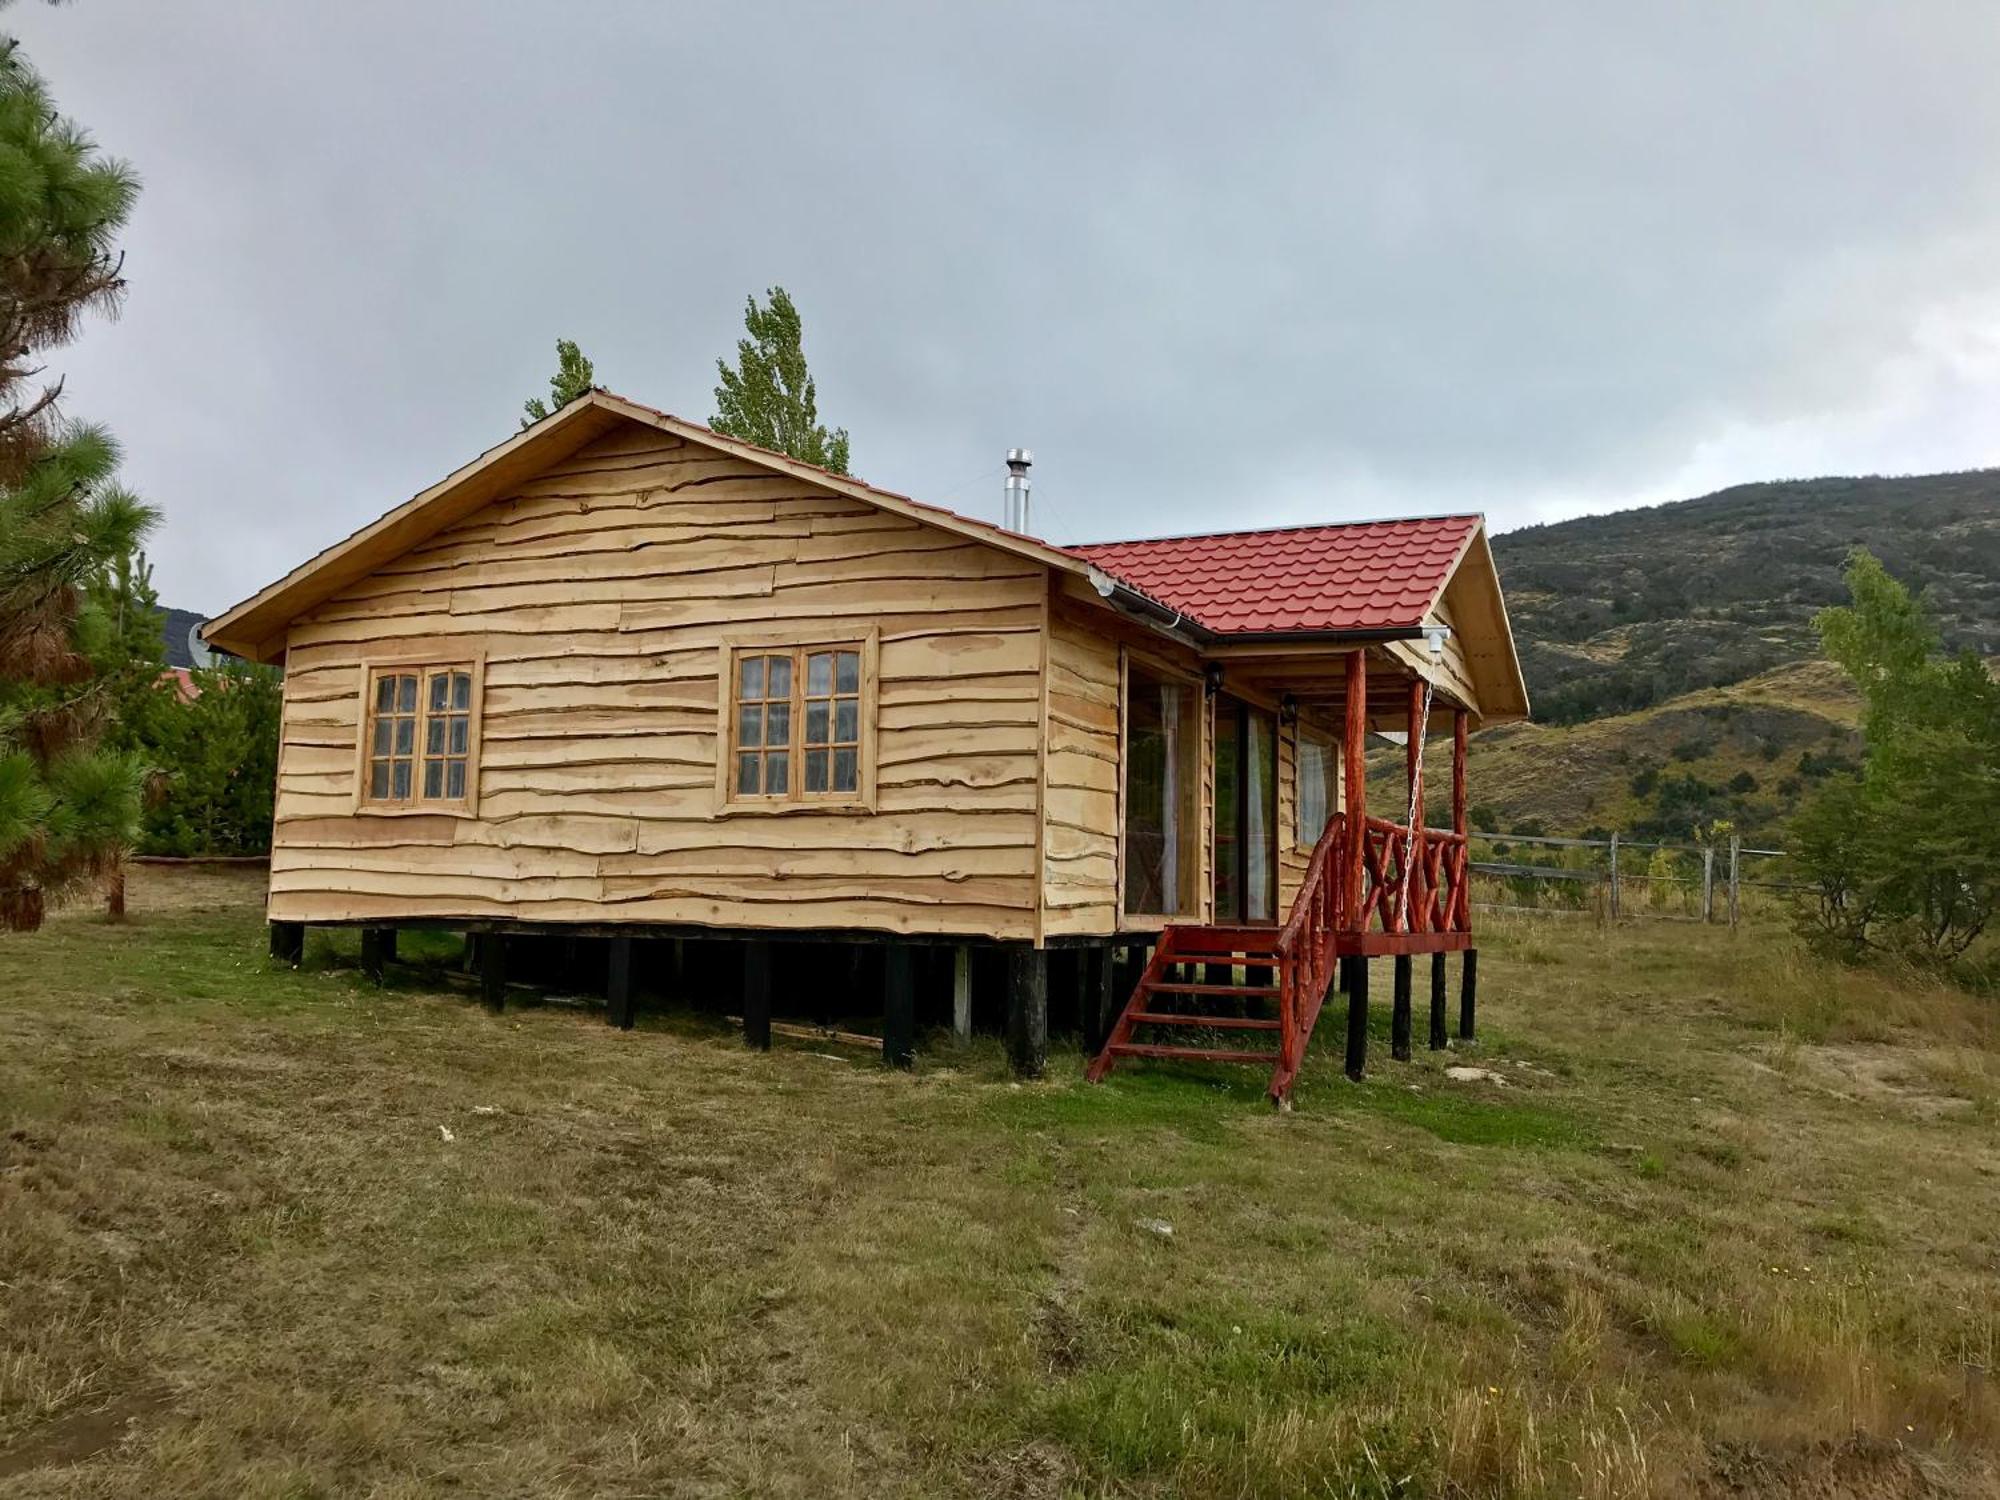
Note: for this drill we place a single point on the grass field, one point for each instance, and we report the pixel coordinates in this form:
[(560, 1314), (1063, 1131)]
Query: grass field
[(1728, 1227)]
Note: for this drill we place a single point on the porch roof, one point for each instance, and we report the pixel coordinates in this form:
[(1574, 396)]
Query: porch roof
[(1356, 576)]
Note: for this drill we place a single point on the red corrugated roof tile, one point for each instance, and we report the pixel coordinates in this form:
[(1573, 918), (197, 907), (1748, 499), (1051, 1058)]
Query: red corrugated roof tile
[(1366, 575)]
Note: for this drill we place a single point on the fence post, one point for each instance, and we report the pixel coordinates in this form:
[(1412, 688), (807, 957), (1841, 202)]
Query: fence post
[(1614, 874), (1735, 858), (1708, 882)]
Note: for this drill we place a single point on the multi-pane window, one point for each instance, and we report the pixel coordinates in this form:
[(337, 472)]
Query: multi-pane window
[(797, 720), (832, 736), (764, 725), (419, 744)]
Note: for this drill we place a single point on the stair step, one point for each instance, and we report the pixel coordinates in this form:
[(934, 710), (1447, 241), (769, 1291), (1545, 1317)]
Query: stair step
[(1190, 1054), (1171, 987), (1197, 941), (1224, 1023)]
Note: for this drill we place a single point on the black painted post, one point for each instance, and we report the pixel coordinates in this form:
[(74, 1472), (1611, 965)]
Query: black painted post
[(493, 970), (1028, 1010), (1439, 1041), (757, 994), (618, 1004), (288, 942), (1357, 1018), (1102, 999), (1468, 994), (1399, 1017), (378, 945), (899, 1006)]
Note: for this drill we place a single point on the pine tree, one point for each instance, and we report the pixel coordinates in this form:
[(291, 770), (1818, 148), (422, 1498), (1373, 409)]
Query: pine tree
[(574, 377), (68, 809), (769, 399)]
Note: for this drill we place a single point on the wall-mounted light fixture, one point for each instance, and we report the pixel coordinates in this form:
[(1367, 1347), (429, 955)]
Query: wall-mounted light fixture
[(1288, 709), (1212, 679)]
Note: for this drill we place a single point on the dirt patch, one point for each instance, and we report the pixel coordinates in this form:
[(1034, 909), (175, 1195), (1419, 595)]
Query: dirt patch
[(83, 1435), (1860, 1468), (1879, 1075)]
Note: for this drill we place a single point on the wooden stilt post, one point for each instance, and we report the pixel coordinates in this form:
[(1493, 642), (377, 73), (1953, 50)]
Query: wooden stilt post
[(288, 942), (1100, 1000), (757, 994), (899, 1005), (1354, 788), (378, 946), (1439, 1038), (1399, 1017), (1357, 1019), (1028, 1010), (1468, 995), (1414, 902), (1458, 734), (493, 970), (618, 1006), (961, 992)]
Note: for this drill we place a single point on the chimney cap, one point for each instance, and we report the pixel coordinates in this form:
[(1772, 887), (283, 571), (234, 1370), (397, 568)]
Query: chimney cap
[(1020, 456)]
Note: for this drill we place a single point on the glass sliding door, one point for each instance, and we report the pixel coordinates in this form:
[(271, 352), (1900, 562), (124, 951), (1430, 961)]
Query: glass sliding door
[(1162, 771), (1246, 813)]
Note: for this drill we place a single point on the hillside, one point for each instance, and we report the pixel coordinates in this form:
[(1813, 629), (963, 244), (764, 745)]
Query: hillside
[(1671, 657), (1619, 612)]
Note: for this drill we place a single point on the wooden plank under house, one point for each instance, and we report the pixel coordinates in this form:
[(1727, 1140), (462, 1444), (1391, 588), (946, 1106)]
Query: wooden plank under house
[(628, 681)]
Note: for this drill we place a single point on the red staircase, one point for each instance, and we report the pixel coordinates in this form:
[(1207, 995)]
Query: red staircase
[(1285, 975)]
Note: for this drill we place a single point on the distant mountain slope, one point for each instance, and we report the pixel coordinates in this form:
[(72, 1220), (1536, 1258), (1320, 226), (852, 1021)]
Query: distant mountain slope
[(1620, 612), (176, 626)]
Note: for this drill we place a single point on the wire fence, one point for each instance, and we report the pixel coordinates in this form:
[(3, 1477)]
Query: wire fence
[(1618, 877)]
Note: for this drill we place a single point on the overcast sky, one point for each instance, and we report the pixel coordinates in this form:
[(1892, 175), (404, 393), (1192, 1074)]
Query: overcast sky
[(1218, 266)]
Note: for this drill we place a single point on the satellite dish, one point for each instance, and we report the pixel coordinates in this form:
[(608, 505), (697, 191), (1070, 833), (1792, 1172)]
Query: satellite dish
[(199, 653)]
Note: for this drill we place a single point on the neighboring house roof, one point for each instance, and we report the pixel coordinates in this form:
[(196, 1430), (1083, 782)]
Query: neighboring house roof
[(1352, 580), (1361, 576)]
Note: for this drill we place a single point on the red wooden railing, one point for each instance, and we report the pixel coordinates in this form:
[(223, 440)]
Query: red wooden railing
[(1306, 947), (1430, 862)]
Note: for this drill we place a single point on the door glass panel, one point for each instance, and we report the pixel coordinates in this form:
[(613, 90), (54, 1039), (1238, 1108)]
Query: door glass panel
[(1228, 810), (1162, 764), (1260, 818)]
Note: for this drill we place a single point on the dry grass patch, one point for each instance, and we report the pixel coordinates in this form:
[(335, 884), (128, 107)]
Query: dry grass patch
[(284, 1234)]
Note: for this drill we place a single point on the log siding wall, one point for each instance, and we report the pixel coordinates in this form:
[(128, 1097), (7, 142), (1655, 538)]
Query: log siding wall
[(598, 596)]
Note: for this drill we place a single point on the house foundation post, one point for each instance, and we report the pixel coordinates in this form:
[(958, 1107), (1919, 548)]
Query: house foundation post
[(757, 994), (1399, 1019), (288, 942), (1357, 1018), (1468, 995), (618, 1006), (961, 992), (1439, 1037), (378, 947), (899, 1005), (493, 970), (1028, 1010)]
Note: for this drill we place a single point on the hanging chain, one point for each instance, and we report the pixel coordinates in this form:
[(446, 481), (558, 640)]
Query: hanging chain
[(1422, 731)]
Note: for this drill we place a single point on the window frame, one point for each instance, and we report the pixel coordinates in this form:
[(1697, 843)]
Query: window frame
[(1199, 831), (796, 799), (423, 668)]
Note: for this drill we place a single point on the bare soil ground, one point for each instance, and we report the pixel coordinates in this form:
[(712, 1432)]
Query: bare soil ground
[(1725, 1227)]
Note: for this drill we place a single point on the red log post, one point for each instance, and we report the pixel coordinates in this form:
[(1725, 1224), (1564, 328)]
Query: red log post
[(1416, 902), (1354, 786), (1458, 770)]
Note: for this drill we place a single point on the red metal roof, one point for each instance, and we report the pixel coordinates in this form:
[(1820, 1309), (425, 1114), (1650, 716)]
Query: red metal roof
[(1365, 575)]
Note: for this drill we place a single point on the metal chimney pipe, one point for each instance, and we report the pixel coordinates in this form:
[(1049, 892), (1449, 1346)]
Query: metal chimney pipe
[(1014, 516)]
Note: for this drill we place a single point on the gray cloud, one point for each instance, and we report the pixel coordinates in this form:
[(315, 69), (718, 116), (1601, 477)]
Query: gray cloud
[(1302, 261)]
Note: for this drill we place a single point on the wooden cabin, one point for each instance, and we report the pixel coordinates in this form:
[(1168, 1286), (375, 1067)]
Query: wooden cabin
[(625, 678)]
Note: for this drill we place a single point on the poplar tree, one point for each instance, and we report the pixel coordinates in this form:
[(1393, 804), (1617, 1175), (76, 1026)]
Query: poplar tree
[(69, 808), (574, 377), (769, 398)]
